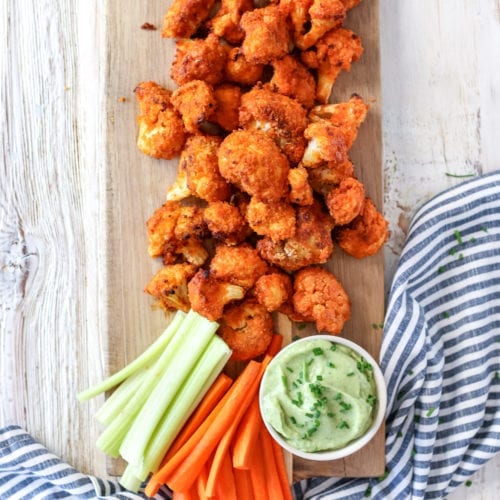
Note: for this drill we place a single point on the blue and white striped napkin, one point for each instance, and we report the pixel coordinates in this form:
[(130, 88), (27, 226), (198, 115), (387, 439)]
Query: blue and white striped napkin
[(440, 356)]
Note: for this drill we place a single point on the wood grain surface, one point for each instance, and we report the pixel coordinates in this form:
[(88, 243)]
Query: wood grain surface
[(441, 114)]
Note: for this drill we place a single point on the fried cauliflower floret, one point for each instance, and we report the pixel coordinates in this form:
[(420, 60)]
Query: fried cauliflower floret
[(321, 298), (350, 4), (251, 161), (247, 328), (199, 161), (239, 265), (199, 59), (161, 131), (283, 119), (301, 192), (312, 243), (208, 296), (326, 143), (228, 98), (327, 176), (226, 223), (293, 79), (239, 70), (334, 52), (266, 34), (176, 232), (366, 234), (226, 22), (345, 201), (169, 286), (275, 220), (184, 17), (195, 102), (347, 116), (273, 290), (311, 19)]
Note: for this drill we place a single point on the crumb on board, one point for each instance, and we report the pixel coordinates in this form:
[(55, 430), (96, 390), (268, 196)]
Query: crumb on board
[(122, 99), (148, 27)]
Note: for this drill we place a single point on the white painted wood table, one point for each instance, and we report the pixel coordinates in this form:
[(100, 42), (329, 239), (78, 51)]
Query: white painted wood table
[(441, 116)]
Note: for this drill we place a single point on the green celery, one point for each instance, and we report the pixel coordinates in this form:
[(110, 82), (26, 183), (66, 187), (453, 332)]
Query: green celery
[(144, 359), (186, 349), (129, 480), (189, 396)]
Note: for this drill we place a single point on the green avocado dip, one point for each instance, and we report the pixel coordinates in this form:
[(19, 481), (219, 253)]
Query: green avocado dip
[(319, 395)]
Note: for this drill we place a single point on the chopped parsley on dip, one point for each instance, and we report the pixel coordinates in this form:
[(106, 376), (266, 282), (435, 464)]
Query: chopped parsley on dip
[(319, 395)]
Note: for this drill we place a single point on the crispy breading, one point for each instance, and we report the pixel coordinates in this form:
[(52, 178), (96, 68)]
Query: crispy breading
[(345, 201), (199, 59), (312, 243), (251, 161), (272, 290), (326, 143), (226, 223), (208, 296), (169, 286), (226, 22), (184, 17), (326, 176), (247, 328), (321, 298), (311, 19), (228, 98), (161, 130), (366, 234), (266, 34), (239, 70), (301, 192), (333, 52), (275, 220), (350, 4), (238, 264), (280, 117), (195, 102), (293, 79)]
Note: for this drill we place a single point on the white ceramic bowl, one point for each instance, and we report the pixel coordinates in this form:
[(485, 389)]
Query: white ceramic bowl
[(380, 407)]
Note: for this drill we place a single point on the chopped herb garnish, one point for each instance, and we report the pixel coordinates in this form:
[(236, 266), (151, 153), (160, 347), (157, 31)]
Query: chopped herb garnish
[(458, 236), (309, 415), (484, 229), (310, 362), (350, 374), (453, 251), (295, 337), (289, 369), (285, 381), (316, 389), (301, 326), (384, 475), (368, 492), (472, 240), (337, 396), (416, 419), (459, 176), (446, 314), (410, 372), (345, 406), (441, 269), (399, 395), (468, 483), (460, 256), (330, 414), (399, 434), (375, 326), (371, 399), (319, 377), (430, 411), (343, 425), (293, 420), (331, 365), (317, 351), (364, 366), (333, 347)]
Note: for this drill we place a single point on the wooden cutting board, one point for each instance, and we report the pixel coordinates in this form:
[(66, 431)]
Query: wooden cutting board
[(137, 184)]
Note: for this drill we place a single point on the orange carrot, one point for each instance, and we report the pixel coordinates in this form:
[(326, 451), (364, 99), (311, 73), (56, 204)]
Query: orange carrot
[(185, 495), (200, 484), (258, 473), (207, 404), (275, 345), (246, 436), (243, 484), (272, 479), (226, 484), (279, 458), (186, 464)]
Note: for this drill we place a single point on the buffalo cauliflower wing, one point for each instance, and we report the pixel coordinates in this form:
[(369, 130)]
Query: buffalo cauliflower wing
[(239, 265), (251, 161), (161, 131), (366, 234), (266, 34), (199, 59), (226, 22), (327, 176), (272, 290), (228, 98), (283, 119), (247, 328), (326, 143), (184, 17), (301, 192), (320, 297), (333, 52), (312, 243), (239, 70), (208, 296), (169, 286), (345, 201), (275, 220), (226, 223)]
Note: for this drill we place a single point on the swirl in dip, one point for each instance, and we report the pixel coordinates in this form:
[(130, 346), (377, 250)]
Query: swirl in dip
[(319, 395)]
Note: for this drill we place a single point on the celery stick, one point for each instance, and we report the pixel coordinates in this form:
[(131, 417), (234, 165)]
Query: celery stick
[(129, 480), (197, 333), (202, 377), (149, 354), (117, 401)]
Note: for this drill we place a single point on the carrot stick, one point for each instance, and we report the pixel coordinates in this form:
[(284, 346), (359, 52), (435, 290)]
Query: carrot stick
[(186, 464), (258, 473), (246, 436), (201, 484), (279, 458), (272, 478), (207, 404), (226, 484), (275, 345), (185, 495), (243, 484)]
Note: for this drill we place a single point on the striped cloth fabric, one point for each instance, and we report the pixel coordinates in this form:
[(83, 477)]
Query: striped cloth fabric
[(440, 357)]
